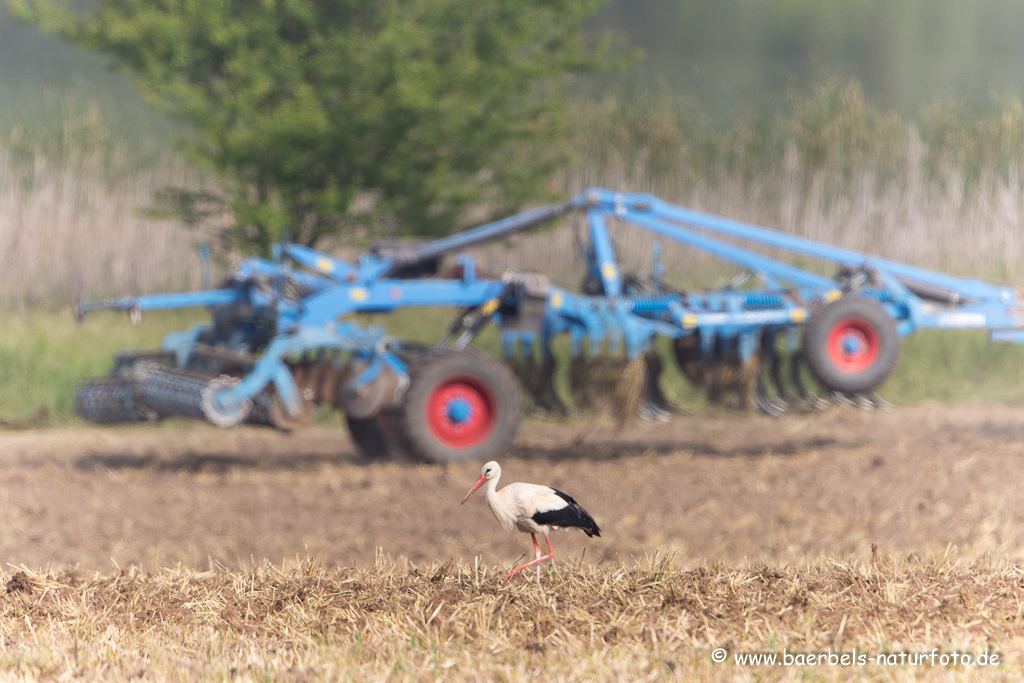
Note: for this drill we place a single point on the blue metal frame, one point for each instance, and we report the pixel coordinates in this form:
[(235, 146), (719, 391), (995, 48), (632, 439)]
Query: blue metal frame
[(322, 289), (972, 304)]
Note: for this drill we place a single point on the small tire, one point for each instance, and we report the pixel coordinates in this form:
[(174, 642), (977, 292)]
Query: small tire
[(851, 345), (460, 406), (375, 437)]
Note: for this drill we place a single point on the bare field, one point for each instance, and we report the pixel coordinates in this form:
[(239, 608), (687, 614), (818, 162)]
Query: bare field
[(248, 554)]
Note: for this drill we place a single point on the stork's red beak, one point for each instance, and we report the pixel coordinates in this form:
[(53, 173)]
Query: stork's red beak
[(479, 482)]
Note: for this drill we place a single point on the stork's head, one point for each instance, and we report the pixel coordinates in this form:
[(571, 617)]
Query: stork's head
[(491, 470)]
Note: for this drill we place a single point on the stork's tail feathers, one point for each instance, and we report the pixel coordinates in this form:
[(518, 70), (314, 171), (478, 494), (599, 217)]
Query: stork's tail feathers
[(572, 515), (591, 530)]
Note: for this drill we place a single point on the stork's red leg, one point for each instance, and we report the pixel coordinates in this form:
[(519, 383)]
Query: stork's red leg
[(551, 553), (536, 549)]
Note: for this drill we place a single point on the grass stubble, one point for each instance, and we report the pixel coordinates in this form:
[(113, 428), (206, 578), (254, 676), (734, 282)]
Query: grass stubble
[(459, 620)]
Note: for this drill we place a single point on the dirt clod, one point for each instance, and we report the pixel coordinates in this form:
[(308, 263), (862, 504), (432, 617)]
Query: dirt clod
[(19, 583)]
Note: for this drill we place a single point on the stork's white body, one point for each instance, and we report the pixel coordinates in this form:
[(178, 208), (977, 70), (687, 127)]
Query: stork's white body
[(515, 505), (532, 509)]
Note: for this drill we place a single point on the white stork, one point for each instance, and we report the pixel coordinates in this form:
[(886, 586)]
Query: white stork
[(532, 509)]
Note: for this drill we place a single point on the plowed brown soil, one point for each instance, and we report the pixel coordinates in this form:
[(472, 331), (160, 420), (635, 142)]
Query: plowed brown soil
[(737, 488)]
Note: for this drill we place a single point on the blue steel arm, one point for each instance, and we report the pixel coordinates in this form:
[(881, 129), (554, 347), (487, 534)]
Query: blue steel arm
[(604, 254), (329, 266), (645, 203), (748, 259), (257, 267), (386, 295), (468, 238), (368, 343), (153, 302)]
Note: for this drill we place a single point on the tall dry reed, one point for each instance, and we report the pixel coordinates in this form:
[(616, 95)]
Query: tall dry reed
[(62, 222), (943, 192)]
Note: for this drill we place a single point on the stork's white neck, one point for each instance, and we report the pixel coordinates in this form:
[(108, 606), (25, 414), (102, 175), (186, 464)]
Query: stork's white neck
[(502, 509), (491, 489)]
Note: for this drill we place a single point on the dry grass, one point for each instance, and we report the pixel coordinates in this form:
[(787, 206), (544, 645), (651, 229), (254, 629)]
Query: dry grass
[(943, 192), (978, 233), (59, 222), (460, 621), (752, 534)]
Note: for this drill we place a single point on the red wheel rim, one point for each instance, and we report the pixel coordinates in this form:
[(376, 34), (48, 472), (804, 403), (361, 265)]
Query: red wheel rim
[(853, 345), (461, 412)]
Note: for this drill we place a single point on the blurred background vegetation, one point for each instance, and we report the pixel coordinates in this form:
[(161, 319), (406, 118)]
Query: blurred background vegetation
[(887, 126), (892, 126)]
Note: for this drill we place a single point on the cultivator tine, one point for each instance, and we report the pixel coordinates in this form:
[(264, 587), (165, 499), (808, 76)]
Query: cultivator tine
[(766, 402), (732, 382), (864, 402), (843, 400), (776, 404), (655, 405), (877, 402), (867, 400), (750, 373), (809, 398), (775, 374), (617, 373), (688, 357), (536, 378), (717, 379), (630, 389), (515, 365), (602, 380), (527, 372), (579, 369), (543, 391), (521, 359)]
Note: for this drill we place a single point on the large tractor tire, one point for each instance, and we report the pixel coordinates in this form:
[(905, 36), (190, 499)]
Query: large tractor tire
[(460, 406), (851, 345)]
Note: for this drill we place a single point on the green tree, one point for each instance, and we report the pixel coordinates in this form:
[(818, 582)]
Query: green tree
[(325, 115)]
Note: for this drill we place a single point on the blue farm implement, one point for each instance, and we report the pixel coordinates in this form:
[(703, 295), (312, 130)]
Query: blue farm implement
[(277, 347), (748, 344), (278, 344)]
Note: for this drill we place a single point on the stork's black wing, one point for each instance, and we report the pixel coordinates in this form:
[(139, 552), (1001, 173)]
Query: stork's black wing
[(571, 515)]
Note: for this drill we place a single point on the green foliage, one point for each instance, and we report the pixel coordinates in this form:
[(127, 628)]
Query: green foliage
[(44, 356), (837, 128), (325, 117), (71, 132), (833, 132)]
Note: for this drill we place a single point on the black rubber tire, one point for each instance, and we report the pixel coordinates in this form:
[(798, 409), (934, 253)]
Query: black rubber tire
[(374, 436), (496, 386), (867, 317)]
